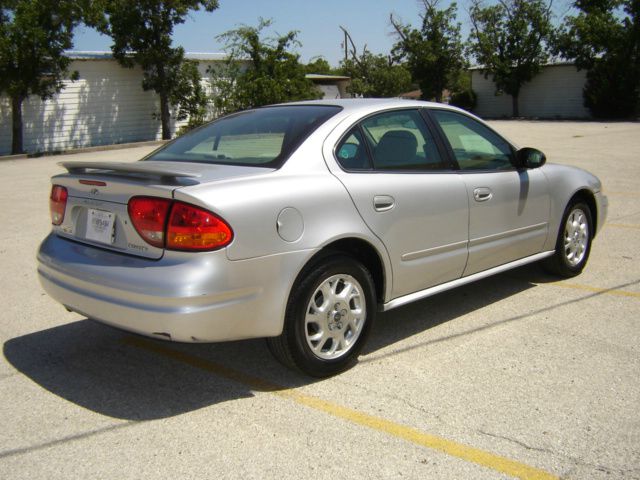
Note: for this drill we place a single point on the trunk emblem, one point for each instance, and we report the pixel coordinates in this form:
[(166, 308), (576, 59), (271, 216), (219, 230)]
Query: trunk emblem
[(94, 191)]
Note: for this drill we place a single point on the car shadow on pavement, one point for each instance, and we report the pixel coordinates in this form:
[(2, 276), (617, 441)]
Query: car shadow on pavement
[(395, 325), (125, 376), (101, 368)]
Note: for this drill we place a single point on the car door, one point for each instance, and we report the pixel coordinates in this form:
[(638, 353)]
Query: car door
[(508, 207), (406, 191)]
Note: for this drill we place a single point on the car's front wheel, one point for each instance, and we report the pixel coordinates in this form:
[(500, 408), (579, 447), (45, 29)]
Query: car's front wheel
[(329, 315), (574, 241)]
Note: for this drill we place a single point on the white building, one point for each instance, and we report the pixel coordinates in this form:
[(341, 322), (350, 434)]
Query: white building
[(107, 105), (555, 93), (331, 86)]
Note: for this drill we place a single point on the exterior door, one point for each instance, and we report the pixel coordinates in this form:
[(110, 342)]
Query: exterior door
[(508, 208), (409, 196)]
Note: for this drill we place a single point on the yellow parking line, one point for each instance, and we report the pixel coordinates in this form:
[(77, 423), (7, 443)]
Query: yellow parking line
[(449, 447), (623, 225), (588, 288)]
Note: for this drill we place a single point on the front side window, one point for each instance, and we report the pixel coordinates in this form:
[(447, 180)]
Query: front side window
[(474, 146), (263, 137)]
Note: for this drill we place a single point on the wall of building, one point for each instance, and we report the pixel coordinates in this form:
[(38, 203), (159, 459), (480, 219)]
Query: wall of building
[(329, 91), (107, 105), (554, 93)]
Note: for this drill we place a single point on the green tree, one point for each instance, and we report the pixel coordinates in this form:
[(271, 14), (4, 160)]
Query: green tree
[(33, 37), (141, 31), (372, 75), (435, 52), (189, 96), (259, 70), (510, 40), (604, 39), (375, 76), (320, 66)]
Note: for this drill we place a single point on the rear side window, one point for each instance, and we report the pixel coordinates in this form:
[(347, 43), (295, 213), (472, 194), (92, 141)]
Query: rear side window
[(352, 152), (263, 137), (396, 140)]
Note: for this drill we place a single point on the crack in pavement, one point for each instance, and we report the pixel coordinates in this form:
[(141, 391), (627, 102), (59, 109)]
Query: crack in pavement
[(67, 439), (577, 462), (397, 398)]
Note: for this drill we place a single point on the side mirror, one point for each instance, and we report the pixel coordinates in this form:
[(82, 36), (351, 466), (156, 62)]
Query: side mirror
[(530, 158)]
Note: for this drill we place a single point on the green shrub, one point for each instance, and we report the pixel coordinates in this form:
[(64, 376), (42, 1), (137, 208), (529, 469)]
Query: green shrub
[(612, 89), (465, 99)]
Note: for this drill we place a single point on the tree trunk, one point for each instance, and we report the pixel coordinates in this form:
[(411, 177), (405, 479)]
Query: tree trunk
[(16, 116), (514, 104), (165, 117)]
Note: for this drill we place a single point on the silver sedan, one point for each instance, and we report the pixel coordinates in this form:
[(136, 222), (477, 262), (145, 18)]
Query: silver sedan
[(298, 222)]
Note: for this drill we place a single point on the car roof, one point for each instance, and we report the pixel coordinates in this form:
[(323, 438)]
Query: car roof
[(350, 102), (353, 105)]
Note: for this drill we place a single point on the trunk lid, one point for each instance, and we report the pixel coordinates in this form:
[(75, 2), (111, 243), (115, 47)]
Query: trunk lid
[(99, 192)]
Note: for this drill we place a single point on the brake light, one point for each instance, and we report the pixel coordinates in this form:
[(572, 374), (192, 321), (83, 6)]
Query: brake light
[(149, 216), (58, 203), (95, 183), (176, 225), (193, 228)]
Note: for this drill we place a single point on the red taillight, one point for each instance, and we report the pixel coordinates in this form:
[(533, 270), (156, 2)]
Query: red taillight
[(149, 216), (58, 203), (193, 228), (187, 227)]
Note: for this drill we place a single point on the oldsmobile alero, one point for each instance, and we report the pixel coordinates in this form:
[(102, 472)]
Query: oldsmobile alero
[(297, 222)]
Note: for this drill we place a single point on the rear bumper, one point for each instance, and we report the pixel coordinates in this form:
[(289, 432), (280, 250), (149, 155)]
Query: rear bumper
[(187, 297)]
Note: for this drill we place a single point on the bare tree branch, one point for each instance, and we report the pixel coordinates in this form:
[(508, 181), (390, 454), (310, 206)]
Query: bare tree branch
[(354, 50), (398, 27)]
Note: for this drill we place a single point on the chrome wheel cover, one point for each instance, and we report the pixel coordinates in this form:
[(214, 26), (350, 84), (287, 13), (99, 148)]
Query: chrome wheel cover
[(335, 316), (576, 237)]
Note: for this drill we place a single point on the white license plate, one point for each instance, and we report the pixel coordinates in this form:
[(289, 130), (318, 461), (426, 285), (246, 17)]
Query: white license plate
[(100, 226)]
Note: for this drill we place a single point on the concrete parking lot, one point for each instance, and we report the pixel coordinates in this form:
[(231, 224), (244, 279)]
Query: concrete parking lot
[(519, 376)]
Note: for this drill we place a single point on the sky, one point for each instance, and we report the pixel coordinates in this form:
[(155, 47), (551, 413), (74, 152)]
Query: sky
[(318, 23)]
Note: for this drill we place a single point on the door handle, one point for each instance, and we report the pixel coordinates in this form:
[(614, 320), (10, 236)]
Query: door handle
[(383, 203), (482, 194)]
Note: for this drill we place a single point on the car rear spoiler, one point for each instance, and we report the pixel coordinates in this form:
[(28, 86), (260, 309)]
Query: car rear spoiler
[(150, 169)]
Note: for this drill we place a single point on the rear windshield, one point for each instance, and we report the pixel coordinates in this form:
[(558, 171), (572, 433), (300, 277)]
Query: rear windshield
[(264, 137)]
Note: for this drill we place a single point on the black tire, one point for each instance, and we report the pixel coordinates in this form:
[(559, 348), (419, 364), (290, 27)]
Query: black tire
[(564, 261), (296, 347)]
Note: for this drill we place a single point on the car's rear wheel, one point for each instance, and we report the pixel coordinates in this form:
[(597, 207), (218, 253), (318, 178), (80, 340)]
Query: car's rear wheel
[(329, 316), (574, 241)]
